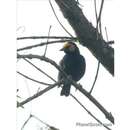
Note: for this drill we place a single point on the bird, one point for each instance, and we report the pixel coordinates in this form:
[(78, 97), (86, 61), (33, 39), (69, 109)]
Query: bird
[(73, 64)]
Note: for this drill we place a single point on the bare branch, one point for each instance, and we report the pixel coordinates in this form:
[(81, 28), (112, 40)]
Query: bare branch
[(106, 33), (58, 19), (95, 77), (95, 7), (26, 122), (27, 77), (47, 41), (38, 94), (40, 70), (88, 111), (97, 39), (40, 120), (77, 86), (46, 37), (42, 44), (101, 7), (94, 101), (51, 127), (100, 30), (35, 117)]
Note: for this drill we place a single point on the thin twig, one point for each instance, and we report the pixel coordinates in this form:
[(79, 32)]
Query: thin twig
[(47, 41), (26, 122), (59, 20), (101, 7), (100, 28), (106, 33), (89, 112), (40, 70), (98, 18), (38, 94), (108, 42), (46, 37), (35, 117), (42, 44), (27, 77), (51, 127), (95, 7), (21, 27), (95, 77)]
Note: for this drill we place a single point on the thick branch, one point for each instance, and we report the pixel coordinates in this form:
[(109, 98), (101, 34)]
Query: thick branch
[(87, 34), (77, 86)]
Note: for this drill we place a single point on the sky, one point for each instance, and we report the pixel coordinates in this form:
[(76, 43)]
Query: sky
[(33, 19)]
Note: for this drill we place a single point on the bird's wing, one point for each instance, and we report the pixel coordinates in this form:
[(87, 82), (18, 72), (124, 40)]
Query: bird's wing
[(62, 65)]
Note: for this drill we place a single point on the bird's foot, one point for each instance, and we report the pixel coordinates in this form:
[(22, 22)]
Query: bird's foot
[(79, 86)]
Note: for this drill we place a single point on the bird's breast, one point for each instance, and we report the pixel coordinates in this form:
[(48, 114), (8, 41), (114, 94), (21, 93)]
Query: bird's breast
[(74, 66)]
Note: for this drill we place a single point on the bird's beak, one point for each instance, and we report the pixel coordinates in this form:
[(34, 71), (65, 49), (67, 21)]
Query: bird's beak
[(65, 47)]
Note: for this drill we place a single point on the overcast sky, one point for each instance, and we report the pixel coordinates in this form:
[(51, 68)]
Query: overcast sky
[(33, 19)]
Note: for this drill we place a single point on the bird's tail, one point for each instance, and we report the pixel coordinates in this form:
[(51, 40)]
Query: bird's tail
[(65, 90)]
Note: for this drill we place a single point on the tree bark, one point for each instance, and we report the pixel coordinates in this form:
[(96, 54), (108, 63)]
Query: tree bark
[(87, 33)]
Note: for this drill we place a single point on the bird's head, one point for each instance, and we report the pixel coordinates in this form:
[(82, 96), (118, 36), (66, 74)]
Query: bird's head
[(70, 48)]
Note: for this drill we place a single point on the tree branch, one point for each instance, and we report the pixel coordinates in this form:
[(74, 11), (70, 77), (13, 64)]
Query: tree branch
[(40, 70), (35, 117), (42, 44), (86, 33), (95, 78), (26, 122), (50, 127), (59, 20), (27, 77), (46, 37), (38, 94), (89, 111), (47, 41), (77, 86)]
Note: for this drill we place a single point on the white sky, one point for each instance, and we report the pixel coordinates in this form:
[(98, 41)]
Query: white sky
[(35, 17)]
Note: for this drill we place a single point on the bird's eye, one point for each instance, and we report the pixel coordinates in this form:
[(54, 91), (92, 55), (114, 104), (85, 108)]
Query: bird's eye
[(72, 48)]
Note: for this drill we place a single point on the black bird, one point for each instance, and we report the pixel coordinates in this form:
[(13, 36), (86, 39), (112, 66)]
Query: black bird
[(73, 64)]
